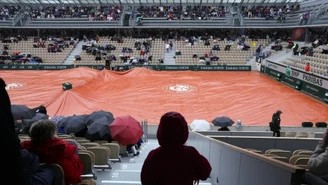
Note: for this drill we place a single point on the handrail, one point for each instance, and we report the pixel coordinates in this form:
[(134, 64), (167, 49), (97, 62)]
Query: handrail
[(16, 18), (314, 15)]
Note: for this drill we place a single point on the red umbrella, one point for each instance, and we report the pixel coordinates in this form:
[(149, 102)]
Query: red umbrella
[(126, 130)]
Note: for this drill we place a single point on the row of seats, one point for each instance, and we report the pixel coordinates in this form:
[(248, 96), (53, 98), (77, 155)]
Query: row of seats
[(298, 157)]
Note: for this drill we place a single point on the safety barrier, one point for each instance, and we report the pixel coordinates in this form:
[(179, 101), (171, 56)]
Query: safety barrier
[(310, 83), (144, 125), (238, 166), (128, 67)]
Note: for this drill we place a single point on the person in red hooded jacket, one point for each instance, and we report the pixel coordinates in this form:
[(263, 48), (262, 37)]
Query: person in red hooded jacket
[(53, 150), (173, 162)]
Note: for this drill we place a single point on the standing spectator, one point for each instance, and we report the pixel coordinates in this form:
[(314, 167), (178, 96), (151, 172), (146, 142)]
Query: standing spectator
[(9, 141), (174, 162), (275, 123)]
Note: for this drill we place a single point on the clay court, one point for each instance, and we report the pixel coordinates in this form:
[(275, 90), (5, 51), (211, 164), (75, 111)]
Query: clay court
[(146, 94)]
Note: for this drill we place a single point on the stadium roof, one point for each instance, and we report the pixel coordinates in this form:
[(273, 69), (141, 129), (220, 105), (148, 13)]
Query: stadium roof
[(54, 2)]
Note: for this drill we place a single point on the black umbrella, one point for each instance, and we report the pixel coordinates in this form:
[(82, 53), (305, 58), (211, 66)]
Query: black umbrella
[(99, 114), (62, 123), (99, 130), (76, 125), (223, 121), (27, 123), (22, 112)]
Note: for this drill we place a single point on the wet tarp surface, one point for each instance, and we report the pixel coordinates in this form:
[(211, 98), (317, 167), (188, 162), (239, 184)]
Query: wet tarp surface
[(147, 94)]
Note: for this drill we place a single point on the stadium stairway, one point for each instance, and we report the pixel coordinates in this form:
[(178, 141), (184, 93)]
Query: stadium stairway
[(76, 51), (251, 61), (127, 172), (169, 57)]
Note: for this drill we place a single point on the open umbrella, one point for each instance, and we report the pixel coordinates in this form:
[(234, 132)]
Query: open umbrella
[(126, 130), (27, 123), (76, 125), (99, 130), (99, 114), (200, 125), (223, 121), (21, 112)]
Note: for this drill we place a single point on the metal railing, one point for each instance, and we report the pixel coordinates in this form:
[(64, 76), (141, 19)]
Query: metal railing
[(144, 125), (314, 15)]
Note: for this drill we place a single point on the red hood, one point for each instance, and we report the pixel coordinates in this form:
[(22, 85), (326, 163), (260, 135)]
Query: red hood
[(49, 149), (172, 130)]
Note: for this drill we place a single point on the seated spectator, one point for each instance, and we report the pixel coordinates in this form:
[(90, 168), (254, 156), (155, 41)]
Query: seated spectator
[(307, 67), (319, 160), (53, 150), (33, 173), (173, 160)]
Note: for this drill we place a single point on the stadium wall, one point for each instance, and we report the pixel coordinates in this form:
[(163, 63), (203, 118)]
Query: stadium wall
[(127, 67)]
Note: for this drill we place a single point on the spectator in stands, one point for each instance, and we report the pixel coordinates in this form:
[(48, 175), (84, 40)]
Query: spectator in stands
[(319, 160), (307, 67), (326, 74), (275, 123), (239, 125), (34, 174), (9, 141), (224, 129), (173, 160), (51, 150)]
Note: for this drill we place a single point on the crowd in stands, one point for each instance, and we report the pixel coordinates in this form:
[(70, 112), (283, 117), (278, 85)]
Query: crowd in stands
[(7, 12), (179, 12), (105, 13), (268, 12)]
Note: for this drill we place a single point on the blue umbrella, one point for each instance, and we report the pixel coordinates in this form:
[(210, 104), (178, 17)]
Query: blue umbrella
[(223, 121)]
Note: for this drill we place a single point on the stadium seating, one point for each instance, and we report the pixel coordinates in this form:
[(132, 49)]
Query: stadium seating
[(234, 56), (318, 62), (157, 51), (47, 58)]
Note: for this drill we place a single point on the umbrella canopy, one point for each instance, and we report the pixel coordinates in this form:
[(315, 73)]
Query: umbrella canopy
[(99, 130), (223, 121), (200, 125), (76, 125), (21, 112), (37, 117), (126, 130), (99, 114)]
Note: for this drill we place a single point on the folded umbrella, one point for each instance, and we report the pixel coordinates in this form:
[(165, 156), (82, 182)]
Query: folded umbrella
[(223, 121), (22, 112), (200, 125), (99, 130), (77, 126), (126, 130)]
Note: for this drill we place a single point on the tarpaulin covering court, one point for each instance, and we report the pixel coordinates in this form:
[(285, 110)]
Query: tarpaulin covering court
[(147, 94)]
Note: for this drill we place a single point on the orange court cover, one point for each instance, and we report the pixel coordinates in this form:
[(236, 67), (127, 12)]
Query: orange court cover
[(147, 94)]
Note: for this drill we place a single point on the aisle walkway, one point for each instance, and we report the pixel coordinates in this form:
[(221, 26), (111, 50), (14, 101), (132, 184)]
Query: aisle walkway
[(76, 51), (128, 171), (169, 56)]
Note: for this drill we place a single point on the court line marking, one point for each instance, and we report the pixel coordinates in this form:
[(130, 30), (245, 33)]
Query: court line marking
[(127, 170), (137, 182)]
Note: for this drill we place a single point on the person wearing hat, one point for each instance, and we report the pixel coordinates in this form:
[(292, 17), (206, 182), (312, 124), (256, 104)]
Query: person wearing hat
[(173, 162), (275, 123)]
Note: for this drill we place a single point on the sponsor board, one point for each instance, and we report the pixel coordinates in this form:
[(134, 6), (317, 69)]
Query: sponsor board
[(306, 77)]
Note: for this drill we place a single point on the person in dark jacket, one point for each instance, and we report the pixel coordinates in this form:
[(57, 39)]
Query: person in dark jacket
[(275, 123), (173, 162), (33, 173), (11, 155)]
